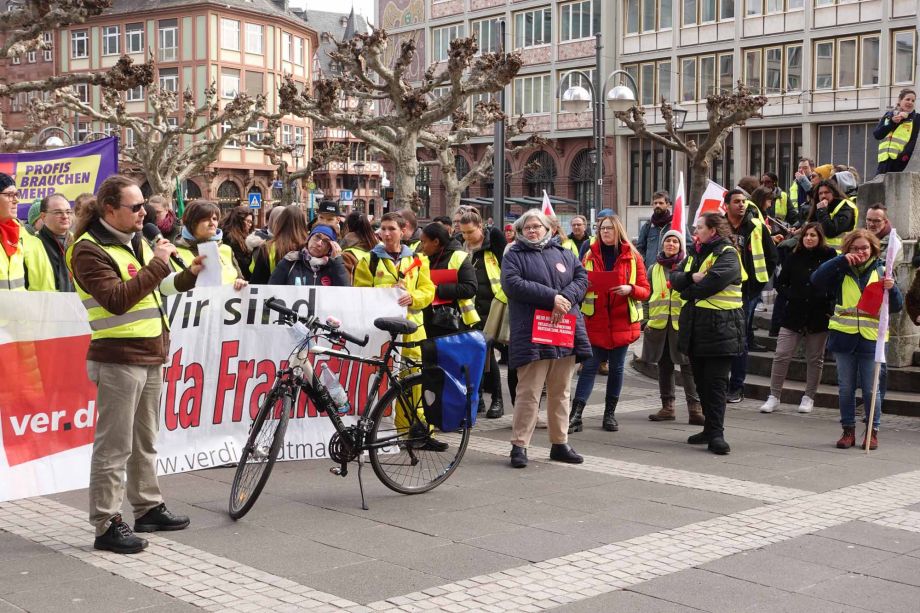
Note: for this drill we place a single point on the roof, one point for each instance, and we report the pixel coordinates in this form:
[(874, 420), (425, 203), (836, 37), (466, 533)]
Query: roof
[(338, 25), (271, 8)]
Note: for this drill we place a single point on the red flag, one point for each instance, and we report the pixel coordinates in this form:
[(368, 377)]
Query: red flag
[(679, 219), (547, 206), (712, 200), (871, 300)]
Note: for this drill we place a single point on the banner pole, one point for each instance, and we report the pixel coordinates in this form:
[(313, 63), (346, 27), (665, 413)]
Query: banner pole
[(871, 411)]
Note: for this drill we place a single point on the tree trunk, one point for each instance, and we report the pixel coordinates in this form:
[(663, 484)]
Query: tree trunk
[(405, 174), (700, 168)]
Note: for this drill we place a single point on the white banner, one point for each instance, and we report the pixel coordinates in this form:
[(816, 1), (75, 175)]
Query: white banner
[(225, 350)]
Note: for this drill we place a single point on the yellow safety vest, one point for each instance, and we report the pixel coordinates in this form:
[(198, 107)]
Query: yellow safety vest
[(587, 305), (757, 253), (146, 319), (571, 246), (847, 318), (272, 260), (750, 204), (30, 255), (467, 306), (837, 241), (730, 297), (890, 147), (781, 205), (664, 302), (228, 273), (358, 253), (494, 272)]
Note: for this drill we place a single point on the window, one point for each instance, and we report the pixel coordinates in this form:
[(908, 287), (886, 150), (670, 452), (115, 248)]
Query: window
[(665, 14), (110, 40), (649, 8), (80, 131), (869, 69), (581, 174), (577, 20), (255, 83), (169, 79), (48, 55), (286, 46), (647, 84), (134, 38), (441, 38), (254, 38), (81, 91), (851, 144), (707, 69), (532, 28), (774, 70), (775, 6), (775, 150), (541, 174), (773, 77), (487, 32), (532, 95), (705, 75), (229, 83), (286, 138), (754, 8), (573, 79), (299, 134), (726, 73), (688, 80), (689, 14), (649, 170), (847, 62), (632, 16), (16, 59), (904, 49), (129, 138), (794, 68), (727, 9), (31, 57), (231, 142), (254, 134), (168, 39), (230, 34), (705, 11), (135, 94), (423, 188), (79, 44), (824, 65), (298, 51), (653, 80)]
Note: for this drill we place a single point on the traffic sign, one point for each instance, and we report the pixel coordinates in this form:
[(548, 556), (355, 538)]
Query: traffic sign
[(277, 184), (255, 200), (345, 195)]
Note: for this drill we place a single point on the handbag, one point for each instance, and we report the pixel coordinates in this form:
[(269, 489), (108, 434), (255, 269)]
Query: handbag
[(446, 317), (493, 326)]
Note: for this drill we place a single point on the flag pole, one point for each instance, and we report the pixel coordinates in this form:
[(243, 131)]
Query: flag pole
[(871, 413)]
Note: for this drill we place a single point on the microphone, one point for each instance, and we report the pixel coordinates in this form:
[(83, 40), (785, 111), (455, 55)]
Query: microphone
[(153, 235)]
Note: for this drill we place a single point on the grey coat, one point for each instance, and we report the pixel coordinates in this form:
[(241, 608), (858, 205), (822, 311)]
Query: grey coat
[(653, 345)]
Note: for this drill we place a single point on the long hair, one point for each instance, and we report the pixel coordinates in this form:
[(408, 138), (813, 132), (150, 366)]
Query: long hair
[(822, 240), (291, 232), (198, 211), (109, 194), (357, 222), (717, 222), (232, 226), (619, 230), (836, 194), (874, 245), (437, 232), (760, 195)]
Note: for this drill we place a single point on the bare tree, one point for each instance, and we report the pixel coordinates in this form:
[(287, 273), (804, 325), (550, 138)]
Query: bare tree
[(178, 138), (378, 104), (723, 113)]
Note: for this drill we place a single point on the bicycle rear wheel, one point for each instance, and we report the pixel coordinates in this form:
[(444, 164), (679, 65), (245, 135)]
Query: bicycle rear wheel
[(413, 462), (265, 439)]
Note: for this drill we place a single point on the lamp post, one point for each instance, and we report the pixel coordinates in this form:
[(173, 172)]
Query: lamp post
[(498, 147), (577, 99), (297, 153), (359, 168), (680, 116), (53, 137)]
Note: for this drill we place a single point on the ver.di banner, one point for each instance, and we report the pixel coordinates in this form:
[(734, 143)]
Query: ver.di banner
[(69, 171), (225, 350)]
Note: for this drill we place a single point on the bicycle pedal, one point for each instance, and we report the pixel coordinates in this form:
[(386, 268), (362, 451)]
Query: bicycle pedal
[(339, 471)]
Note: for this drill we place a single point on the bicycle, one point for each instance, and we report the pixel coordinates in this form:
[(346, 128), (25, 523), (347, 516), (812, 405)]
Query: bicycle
[(405, 456)]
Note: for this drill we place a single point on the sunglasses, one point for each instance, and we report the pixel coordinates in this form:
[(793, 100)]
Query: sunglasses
[(135, 208)]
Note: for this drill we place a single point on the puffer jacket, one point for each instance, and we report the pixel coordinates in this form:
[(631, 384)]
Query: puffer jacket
[(807, 310), (609, 327), (709, 332), (532, 279)]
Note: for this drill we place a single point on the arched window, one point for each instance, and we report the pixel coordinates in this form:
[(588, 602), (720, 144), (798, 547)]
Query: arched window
[(192, 191), (423, 187), (583, 181), (490, 183), (227, 191), (540, 175), (463, 169)]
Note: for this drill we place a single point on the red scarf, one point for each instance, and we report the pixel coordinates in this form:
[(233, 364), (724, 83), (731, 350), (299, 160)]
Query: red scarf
[(9, 234)]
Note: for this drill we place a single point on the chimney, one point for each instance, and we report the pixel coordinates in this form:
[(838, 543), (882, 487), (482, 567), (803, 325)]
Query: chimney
[(284, 5)]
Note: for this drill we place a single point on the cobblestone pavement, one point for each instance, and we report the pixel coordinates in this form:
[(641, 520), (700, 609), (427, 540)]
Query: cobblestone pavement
[(786, 522)]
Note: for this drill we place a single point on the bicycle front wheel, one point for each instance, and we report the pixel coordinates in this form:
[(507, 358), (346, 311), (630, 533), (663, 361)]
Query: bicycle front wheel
[(265, 439), (403, 455)]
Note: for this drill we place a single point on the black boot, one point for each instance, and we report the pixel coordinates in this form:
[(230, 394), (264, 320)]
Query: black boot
[(563, 452), (610, 421), (482, 405), (718, 446), (119, 538), (575, 424), (497, 408), (518, 456)]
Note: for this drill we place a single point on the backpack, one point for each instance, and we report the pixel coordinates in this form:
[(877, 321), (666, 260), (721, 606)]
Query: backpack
[(452, 365)]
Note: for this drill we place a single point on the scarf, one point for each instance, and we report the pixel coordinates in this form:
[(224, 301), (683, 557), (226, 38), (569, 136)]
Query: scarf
[(9, 233), (317, 263), (168, 223), (669, 262), (661, 218), (190, 238), (537, 245)]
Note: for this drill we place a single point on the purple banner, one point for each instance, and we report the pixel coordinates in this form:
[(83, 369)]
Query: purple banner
[(69, 171)]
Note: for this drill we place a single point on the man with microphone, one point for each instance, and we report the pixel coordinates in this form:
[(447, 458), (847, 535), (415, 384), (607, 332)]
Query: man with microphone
[(121, 280)]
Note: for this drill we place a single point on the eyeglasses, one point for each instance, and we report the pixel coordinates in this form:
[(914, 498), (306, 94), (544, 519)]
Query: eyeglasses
[(61, 213), (14, 195), (866, 248), (135, 208), (532, 228), (606, 228), (874, 221)]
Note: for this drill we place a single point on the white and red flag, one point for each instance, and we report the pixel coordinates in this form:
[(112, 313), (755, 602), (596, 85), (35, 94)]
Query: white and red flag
[(712, 200), (679, 218), (547, 206)]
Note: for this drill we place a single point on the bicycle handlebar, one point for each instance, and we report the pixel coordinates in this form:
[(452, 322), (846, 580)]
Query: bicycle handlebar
[(315, 323)]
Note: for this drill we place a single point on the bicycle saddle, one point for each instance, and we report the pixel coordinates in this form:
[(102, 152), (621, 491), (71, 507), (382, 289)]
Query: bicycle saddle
[(395, 325)]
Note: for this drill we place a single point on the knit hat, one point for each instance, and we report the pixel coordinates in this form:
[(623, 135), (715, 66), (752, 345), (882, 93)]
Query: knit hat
[(325, 231), (605, 213), (825, 171), (35, 211), (5, 181), (677, 234)]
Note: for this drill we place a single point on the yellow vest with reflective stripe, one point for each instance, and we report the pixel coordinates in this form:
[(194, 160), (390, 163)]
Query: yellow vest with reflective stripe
[(30, 255), (467, 306), (272, 260), (358, 252), (730, 297), (12, 268), (587, 305), (847, 318), (228, 272), (417, 280), (890, 147), (494, 272), (571, 246), (837, 241), (664, 302), (757, 254), (145, 319), (781, 205)]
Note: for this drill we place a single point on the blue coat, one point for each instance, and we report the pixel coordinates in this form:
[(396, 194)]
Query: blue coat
[(532, 279)]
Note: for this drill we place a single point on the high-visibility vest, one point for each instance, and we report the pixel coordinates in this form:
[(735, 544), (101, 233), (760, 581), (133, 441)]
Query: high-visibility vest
[(13, 269), (494, 272), (749, 204), (358, 253), (467, 306), (730, 297), (30, 255), (782, 205), (417, 278), (228, 273), (587, 305), (757, 253), (272, 260), (847, 318), (571, 246), (664, 302), (890, 147), (146, 319), (837, 241)]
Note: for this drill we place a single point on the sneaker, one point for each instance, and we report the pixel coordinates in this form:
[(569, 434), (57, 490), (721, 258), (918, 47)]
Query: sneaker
[(119, 538), (518, 456), (160, 518), (734, 396), (806, 405), (770, 405)]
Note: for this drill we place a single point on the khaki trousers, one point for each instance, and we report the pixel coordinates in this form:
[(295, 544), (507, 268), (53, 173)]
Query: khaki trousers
[(127, 410), (557, 374)]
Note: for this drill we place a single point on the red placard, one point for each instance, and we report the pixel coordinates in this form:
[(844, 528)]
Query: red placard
[(545, 332), (439, 276)]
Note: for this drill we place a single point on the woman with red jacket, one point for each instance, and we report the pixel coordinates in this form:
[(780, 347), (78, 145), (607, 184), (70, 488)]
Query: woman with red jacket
[(617, 284)]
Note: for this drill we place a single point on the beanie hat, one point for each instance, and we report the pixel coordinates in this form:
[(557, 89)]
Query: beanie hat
[(825, 171), (605, 213), (325, 231), (35, 211), (5, 181), (676, 234)]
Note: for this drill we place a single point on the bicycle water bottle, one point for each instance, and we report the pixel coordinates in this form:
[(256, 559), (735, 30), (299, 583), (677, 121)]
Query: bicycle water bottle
[(335, 389)]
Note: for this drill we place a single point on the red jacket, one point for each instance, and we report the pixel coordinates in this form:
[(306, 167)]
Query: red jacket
[(609, 327)]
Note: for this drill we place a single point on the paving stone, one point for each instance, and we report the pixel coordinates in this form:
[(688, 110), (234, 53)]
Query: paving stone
[(869, 592)]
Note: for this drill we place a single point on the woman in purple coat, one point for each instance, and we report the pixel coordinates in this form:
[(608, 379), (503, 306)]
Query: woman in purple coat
[(538, 274)]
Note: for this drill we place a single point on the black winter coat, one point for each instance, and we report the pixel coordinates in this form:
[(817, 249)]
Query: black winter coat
[(708, 332), (296, 265), (883, 129), (807, 309), (752, 286), (63, 281), (465, 287), (494, 241)]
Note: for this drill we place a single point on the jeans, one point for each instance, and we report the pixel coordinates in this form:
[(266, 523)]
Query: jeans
[(711, 377), (616, 359), (739, 362), (856, 370)]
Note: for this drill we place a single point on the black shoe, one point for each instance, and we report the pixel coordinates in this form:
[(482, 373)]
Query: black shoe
[(563, 452), (575, 423), (758, 347), (718, 446), (496, 409), (610, 421), (700, 438), (482, 404), (160, 518), (518, 457), (434, 444), (735, 396), (119, 538)]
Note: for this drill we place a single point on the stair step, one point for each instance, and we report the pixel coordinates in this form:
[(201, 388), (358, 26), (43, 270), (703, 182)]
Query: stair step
[(906, 379)]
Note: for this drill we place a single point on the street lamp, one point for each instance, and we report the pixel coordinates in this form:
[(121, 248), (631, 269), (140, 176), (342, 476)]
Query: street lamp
[(359, 168), (53, 137)]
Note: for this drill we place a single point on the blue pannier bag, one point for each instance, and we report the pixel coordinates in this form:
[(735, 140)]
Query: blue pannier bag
[(452, 366)]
